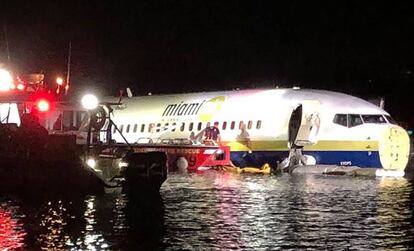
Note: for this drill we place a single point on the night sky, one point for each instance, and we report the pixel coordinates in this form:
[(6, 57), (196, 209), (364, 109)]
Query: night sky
[(364, 49)]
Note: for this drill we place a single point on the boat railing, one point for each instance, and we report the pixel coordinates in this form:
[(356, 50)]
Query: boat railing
[(167, 141)]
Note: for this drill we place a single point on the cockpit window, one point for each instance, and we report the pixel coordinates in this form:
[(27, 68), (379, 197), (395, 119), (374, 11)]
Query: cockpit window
[(354, 120), (390, 120), (340, 119), (351, 120), (376, 119)]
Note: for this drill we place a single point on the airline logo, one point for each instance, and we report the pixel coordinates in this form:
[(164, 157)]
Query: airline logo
[(182, 109), (204, 109), (210, 108)]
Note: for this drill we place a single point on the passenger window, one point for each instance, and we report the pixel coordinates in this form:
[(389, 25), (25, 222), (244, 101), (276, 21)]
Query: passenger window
[(258, 124), (142, 127), (182, 126), (224, 125), (127, 128), (121, 128), (113, 130), (135, 128), (190, 127), (151, 127), (166, 126), (199, 126), (232, 125), (249, 125), (173, 127), (354, 120), (340, 119), (158, 127), (241, 124)]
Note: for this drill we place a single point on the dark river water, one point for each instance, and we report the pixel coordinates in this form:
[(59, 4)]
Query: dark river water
[(221, 211)]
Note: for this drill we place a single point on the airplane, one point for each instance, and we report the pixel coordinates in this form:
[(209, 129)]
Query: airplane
[(263, 125)]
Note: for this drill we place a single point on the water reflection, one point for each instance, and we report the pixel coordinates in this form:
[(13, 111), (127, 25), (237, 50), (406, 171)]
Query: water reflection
[(226, 230), (395, 214), (53, 220), (217, 211), (228, 211), (11, 229), (91, 238), (107, 222)]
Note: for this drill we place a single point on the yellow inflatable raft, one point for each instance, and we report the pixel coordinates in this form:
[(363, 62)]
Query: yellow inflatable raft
[(265, 169)]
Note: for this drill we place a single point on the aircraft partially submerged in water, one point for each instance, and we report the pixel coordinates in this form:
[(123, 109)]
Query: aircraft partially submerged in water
[(263, 125)]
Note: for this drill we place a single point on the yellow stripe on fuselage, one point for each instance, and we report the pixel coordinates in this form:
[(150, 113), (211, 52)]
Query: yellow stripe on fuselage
[(327, 145)]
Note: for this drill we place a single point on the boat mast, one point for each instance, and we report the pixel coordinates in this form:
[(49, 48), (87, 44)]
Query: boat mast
[(68, 69), (7, 43)]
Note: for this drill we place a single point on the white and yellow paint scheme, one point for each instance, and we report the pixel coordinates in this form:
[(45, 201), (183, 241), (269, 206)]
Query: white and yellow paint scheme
[(258, 125)]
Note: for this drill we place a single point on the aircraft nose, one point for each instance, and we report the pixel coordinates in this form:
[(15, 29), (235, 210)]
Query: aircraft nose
[(394, 148)]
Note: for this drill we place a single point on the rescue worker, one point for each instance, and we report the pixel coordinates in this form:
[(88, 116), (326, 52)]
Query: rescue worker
[(212, 135), (33, 133)]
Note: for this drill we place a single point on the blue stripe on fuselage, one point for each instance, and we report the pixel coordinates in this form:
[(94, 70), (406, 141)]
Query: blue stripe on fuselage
[(354, 158)]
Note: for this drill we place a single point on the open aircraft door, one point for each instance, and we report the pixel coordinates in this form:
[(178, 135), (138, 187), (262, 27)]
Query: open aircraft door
[(304, 124)]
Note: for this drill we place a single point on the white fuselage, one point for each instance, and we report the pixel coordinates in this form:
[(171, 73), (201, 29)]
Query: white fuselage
[(346, 125)]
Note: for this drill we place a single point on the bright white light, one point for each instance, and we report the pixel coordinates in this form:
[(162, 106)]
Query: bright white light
[(59, 81), (389, 173), (89, 101), (6, 80), (91, 163), (20, 87), (122, 164)]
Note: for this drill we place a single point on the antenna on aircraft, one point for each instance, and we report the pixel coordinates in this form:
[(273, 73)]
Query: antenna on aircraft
[(381, 105), (129, 92), (121, 93)]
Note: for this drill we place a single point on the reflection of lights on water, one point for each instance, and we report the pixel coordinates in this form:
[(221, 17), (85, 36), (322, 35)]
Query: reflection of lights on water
[(54, 225), (223, 180), (394, 213), (11, 233), (254, 186), (53, 222), (92, 240), (393, 182), (119, 221), (90, 204)]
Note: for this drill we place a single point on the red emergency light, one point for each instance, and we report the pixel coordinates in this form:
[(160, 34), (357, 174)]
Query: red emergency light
[(42, 102), (43, 105)]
